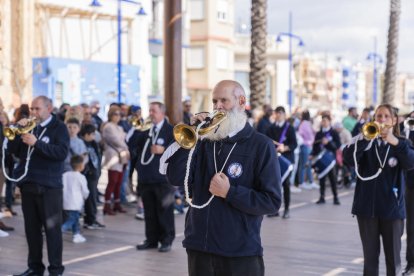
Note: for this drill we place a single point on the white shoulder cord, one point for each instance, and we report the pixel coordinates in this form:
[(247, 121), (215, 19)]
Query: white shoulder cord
[(187, 172), (382, 164), (30, 150), (153, 140)]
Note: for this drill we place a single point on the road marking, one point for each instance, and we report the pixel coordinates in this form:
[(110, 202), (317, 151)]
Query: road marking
[(82, 274), (324, 221), (97, 255), (335, 271), (313, 201), (358, 261)]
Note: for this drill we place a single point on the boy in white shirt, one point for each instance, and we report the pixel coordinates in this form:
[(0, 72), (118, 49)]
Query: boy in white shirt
[(75, 191)]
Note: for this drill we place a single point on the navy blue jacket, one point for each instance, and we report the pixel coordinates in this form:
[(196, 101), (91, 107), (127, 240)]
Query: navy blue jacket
[(150, 173), (231, 226), (381, 197), (263, 124), (275, 132), (410, 173), (333, 145), (46, 163)]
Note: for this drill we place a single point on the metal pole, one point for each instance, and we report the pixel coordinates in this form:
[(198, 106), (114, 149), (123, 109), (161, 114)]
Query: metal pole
[(374, 85), (290, 92), (119, 52)]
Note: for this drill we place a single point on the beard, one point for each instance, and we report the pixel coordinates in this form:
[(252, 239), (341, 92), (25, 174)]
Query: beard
[(236, 120)]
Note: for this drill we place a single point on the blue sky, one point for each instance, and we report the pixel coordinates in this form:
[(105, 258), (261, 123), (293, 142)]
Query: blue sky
[(340, 27)]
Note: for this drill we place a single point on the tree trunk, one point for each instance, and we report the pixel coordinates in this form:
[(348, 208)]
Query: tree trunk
[(258, 73), (172, 60), (392, 53)]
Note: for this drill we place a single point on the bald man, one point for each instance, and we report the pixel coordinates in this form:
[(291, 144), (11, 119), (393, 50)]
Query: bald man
[(41, 188), (239, 167)]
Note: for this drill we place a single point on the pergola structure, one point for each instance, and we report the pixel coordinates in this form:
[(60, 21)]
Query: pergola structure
[(36, 28)]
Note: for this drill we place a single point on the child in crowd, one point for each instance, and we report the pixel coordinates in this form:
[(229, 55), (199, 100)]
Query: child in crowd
[(326, 142), (75, 191), (92, 173), (77, 146)]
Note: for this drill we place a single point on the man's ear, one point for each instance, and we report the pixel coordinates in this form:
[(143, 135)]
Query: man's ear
[(242, 100)]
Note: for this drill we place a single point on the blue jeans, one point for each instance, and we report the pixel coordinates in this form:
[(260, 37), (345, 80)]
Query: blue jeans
[(304, 166), (124, 185), (72, 222)]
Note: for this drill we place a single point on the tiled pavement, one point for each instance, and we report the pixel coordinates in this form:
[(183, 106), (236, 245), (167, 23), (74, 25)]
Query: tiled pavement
[(316, 240)]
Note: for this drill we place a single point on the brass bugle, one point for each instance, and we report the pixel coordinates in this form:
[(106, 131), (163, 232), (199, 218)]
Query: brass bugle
[(12, 131), (138, 124), (186, 136), (371, 130)]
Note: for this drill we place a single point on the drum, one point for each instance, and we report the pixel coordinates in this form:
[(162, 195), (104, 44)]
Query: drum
[(285, 166), (323, 163)]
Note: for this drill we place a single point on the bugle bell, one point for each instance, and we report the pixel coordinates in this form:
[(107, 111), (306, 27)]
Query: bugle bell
[(12, 131), (186, 136), (138, 124), (371, 130)]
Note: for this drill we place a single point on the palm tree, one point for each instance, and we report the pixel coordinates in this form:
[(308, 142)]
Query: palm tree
[(258, 73), (392, 52)]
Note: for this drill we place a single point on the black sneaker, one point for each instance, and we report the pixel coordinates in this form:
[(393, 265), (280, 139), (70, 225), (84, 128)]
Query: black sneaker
[(99, 225), (273, 215), (94, 226), (90, 226), (336, 201), (321, 201), (286, 214)]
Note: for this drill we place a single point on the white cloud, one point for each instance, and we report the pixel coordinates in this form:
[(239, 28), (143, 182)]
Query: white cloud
[(340, 27)]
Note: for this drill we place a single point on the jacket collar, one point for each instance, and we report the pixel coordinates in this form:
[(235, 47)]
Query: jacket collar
[(242, 135)]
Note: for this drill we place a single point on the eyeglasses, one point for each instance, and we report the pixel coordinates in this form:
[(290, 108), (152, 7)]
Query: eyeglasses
[(117, 113)]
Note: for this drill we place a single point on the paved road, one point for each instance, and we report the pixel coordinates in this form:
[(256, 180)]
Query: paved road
[(316, 240)]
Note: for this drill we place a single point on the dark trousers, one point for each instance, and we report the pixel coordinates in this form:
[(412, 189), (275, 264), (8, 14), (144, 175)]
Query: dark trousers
[(286, 192), (207, 264), (42, 208), (409, 205), (332, 179), (158, 200), (370, 230), (10, 186), (90, 203)]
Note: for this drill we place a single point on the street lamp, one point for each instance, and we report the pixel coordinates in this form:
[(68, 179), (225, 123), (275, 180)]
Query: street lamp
[(291, 36), (141, 12), (375, 57)]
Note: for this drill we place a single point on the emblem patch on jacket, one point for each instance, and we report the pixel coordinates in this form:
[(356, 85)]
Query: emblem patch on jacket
[(45, 139), (235, 170), (160, 141), (392, 162)]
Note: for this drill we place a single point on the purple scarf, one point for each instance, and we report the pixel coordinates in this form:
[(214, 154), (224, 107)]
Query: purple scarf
[(283, 136)]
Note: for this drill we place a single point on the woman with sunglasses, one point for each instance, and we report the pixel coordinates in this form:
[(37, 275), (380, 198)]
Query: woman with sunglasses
[(116, 157)]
